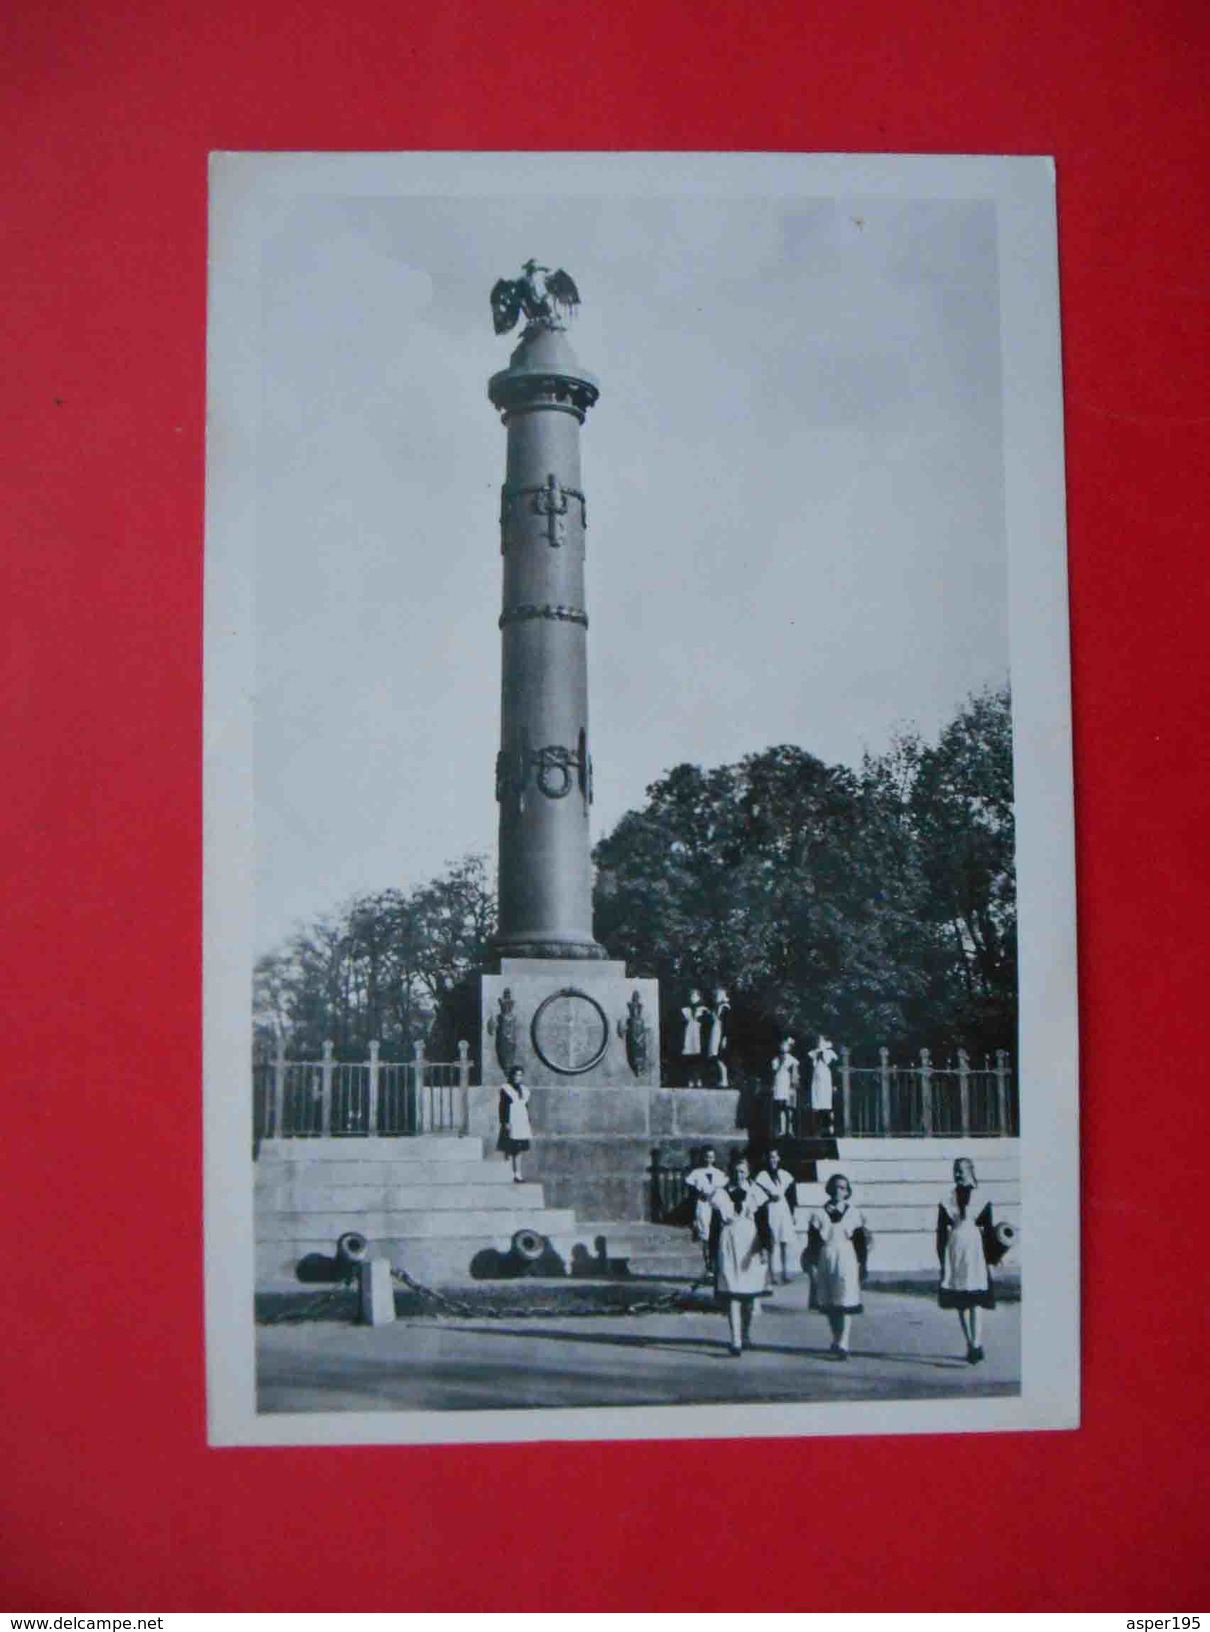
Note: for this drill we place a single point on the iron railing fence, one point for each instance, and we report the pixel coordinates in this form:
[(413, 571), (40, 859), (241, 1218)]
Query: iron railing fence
[(330, 1098), (670, 1200), (333, 1099), (952, 1100), (955, 1100)]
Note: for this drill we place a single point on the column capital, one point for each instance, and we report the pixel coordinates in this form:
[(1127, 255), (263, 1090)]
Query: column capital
[(543, 373)]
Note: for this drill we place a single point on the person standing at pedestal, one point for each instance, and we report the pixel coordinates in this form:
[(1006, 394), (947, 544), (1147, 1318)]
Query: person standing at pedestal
[(741, 1251), (784, 1089), (716, 1037), (696, 1016), (822, 1093), (516, 1134), (701, 1182)]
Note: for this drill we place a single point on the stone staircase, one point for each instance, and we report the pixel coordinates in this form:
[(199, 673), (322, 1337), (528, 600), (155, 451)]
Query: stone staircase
[(896, 1182), (899, 1182), (635, 1249), (437, 1206), (446, 1211)]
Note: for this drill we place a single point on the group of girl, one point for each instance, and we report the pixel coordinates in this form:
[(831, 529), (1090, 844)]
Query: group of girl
[(746, 1225), (784, 1089)]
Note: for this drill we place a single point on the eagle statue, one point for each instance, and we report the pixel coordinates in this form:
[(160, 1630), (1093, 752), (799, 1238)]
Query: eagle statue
[(546, 299)]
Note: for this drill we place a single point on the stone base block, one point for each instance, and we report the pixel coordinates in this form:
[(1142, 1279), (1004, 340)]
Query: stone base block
[(581, 1023), (596, 1149), (655, 1115)]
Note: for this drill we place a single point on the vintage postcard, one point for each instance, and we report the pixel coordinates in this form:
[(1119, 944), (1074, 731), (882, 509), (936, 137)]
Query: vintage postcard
[(640, 983)]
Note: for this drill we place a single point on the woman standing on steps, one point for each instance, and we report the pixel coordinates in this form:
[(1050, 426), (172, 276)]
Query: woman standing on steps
[(740, 1248), (838, 1248), (784, 1092), (515, 1132), (822, 1057), (966, 1244)]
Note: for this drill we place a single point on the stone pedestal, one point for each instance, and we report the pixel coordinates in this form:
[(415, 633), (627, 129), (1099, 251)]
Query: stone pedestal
[(571, 1023), (596, 1151)]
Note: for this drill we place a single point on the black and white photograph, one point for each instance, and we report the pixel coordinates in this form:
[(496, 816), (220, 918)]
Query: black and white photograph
[(640, 966)]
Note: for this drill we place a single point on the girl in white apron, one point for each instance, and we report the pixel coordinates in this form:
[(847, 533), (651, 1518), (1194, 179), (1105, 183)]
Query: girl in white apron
[(838, 1246), (515, 1132), (695, 1015), (785, 1088), (778, 1185), (966, 1243), (741, 1256), (701, 1183), (716, 1040), (822, 1057)]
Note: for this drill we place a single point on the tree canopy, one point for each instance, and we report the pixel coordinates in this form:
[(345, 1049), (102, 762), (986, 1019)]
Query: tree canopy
[(379, 969), (877, 905)]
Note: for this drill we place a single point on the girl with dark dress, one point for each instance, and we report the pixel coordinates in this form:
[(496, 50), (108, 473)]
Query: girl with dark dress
[(966, 1245), (740, 1249), (515, 1131), (779, 1186), (838, 1249)]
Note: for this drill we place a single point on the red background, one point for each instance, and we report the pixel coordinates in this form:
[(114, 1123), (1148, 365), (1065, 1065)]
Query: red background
[(111, 1498)]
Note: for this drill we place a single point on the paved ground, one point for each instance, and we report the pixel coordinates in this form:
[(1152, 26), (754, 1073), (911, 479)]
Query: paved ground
[(904, 1348)]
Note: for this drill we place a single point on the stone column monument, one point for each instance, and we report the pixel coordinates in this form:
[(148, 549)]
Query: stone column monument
[(558, 1006)]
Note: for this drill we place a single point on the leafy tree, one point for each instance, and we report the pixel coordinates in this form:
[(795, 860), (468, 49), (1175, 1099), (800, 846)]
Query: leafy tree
[(877, 906), (785, 880), (378, 970), (959, 796)]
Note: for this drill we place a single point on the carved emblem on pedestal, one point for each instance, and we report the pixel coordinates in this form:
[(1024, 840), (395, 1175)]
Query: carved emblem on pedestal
[(635, 1034), (503, 1027), (570, 1032)]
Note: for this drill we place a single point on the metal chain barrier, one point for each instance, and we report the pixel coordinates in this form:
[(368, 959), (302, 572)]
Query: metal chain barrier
[(314, 1309), (455, 1308)]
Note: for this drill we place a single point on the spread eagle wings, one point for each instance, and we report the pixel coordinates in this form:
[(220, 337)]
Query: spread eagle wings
[(506, 304), (562, 290)]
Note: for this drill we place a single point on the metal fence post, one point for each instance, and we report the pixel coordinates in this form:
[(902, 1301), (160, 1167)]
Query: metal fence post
[(926, 1092), (279, 1090), (964, 1092), (372, 1096), (464, 1083), (884, 1089), (845, 1087), (325, 1091), (1002, 1090), (422, 1117)]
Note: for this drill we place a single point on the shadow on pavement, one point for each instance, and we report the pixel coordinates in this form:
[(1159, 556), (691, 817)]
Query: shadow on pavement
[(702, 1347)]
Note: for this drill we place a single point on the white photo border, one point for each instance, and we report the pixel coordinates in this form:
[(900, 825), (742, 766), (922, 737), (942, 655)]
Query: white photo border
[(248, 192)]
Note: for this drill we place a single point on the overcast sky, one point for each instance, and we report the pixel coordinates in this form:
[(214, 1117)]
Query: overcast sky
[(795, 486)]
